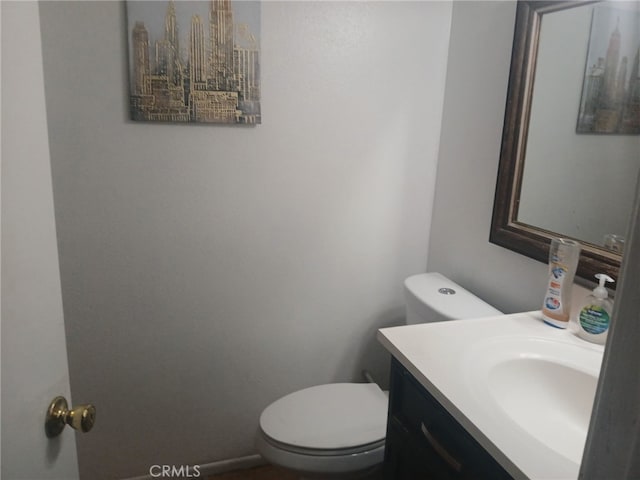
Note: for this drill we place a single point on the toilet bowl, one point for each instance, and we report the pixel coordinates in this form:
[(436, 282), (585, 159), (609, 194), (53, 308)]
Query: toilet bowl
[(335, 430), (338, 430)]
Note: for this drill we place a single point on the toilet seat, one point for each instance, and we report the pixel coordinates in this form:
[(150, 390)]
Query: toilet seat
[(323, 452), (320, 462), (330, 417)]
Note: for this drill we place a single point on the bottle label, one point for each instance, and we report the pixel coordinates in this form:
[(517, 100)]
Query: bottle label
[(552, 303), (559, 271), (594, 319), (553, 299)]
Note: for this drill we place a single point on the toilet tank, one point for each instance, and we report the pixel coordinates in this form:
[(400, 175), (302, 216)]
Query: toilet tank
[(432, 297)]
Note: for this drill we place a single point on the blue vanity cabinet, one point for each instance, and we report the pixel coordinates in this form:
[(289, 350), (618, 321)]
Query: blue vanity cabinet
[(425, 442)]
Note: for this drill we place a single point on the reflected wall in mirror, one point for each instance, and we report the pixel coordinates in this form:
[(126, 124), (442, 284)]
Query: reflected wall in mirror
[(573, 63)]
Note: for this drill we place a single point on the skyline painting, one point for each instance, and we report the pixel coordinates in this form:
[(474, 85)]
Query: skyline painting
[(194, 61)]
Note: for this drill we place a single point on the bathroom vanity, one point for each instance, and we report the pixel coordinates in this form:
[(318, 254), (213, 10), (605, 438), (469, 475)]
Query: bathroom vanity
[(496, 398)]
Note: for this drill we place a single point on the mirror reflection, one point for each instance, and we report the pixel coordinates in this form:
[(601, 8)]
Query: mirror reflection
[(582, 152)]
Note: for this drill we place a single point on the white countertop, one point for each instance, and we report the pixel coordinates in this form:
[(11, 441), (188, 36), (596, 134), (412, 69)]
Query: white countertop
[(452, 360)]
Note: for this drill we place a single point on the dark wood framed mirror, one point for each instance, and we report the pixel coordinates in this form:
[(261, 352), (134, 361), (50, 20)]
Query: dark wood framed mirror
[(510, 228)]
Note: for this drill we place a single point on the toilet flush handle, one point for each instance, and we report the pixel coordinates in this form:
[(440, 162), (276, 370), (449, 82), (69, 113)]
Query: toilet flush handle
[(79, 418)]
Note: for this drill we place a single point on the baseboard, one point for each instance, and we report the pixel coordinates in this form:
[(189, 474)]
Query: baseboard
[(215, 468), (231, 464)]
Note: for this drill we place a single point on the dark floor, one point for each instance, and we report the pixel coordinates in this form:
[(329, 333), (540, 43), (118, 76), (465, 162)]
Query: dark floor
[(271, 473), (257, 473)]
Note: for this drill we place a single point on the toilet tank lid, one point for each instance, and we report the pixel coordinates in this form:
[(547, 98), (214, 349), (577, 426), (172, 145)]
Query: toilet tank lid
[(427, 288), (330, 416)]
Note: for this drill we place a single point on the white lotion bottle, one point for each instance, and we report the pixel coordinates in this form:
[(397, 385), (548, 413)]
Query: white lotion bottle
[(594, 317)]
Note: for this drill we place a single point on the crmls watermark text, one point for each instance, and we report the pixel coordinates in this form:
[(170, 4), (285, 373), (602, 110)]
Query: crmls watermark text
[(173, 471)]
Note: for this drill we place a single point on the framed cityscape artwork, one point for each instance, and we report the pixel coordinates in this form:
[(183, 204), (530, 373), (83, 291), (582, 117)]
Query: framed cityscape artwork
[(194, 61), (611, 87)]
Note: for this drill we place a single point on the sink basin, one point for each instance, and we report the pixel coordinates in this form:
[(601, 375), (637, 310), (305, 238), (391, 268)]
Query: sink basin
[(546, 387), (564, 394)]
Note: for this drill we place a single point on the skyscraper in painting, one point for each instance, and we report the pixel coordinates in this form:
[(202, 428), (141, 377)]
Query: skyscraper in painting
[(211, 74)]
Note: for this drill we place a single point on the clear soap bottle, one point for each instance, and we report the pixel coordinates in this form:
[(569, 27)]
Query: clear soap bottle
[(564, 255)]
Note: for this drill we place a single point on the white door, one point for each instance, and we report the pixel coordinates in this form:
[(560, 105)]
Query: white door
[(34, 357)]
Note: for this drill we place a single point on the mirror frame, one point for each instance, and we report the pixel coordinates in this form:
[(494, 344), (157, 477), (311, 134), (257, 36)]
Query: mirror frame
[(506, 231)]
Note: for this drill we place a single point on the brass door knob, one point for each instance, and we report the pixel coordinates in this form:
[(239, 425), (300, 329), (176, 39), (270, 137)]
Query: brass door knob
[(79, 418)]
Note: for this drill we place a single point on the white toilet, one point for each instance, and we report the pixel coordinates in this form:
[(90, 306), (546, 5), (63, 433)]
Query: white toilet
[(338, 430)]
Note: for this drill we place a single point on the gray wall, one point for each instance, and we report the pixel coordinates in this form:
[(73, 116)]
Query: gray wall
[(477, 78), (207, 271)]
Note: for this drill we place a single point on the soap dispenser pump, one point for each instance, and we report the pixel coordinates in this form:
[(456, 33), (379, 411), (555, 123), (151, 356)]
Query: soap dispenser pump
[(594, 317)]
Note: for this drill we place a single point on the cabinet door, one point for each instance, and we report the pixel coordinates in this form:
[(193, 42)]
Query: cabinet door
[(406, 458), (425, 441)]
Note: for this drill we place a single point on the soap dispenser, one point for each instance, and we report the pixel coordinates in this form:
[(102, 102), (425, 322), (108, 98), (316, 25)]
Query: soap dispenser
[(594, 317)]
